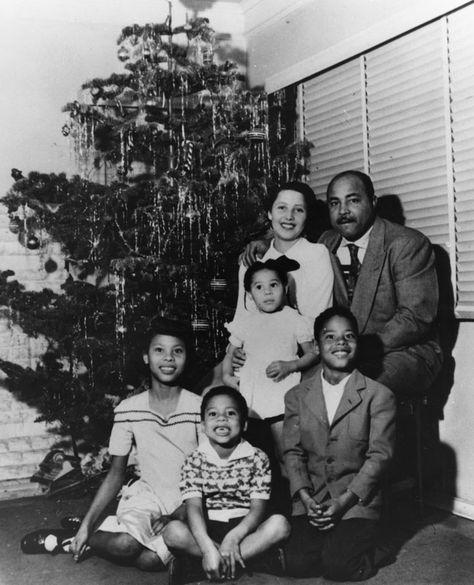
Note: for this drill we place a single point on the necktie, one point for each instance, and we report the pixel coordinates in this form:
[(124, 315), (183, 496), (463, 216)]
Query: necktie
[(351, 272)]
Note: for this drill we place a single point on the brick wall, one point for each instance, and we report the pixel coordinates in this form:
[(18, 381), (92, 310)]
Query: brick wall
[(23, 441)]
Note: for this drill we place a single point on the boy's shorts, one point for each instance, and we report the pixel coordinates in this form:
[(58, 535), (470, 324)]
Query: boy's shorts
[(137, 509), (217, 530)]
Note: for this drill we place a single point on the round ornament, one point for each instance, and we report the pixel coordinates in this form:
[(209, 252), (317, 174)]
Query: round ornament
[(50, 266), (123, 54), (14, 226), (32, 242)]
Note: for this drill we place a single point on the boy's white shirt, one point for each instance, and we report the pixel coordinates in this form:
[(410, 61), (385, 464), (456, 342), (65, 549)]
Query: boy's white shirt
[(332, 394), (244, 449)]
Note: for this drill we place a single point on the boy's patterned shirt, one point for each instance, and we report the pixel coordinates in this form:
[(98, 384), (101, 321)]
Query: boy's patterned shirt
[(226, 485)]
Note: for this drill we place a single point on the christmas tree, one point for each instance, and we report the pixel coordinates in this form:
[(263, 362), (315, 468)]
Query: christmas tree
[(181, 160)]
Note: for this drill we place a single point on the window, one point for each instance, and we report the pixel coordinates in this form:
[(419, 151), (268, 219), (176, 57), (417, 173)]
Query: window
[(404, 113)]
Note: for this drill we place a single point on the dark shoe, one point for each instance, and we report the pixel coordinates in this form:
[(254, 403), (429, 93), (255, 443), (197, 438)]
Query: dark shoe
[(71, 522), (175, 576), (185, 569), (272, 562), (47, 540), (384, 555)]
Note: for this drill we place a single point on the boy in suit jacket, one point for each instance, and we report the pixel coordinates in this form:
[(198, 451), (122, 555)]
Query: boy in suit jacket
[(338, 438)]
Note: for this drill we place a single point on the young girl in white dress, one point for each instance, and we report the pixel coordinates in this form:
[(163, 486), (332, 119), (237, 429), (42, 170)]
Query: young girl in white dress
[(270, 337)]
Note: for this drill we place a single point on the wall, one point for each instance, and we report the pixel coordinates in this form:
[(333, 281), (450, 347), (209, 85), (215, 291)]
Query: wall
[(49, 49), (287, 43)]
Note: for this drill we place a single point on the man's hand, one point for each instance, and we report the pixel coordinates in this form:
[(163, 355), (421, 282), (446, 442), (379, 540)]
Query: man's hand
[(278, 370), (254, 251)]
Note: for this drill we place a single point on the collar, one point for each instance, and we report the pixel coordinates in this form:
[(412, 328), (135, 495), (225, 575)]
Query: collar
[(274, 253), (339, 386), (362, 242), (243, 450)]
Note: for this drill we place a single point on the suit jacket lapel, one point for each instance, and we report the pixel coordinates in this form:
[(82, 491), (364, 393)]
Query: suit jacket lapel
[(369, 275), (314, 399), (332, 240), (351, 396)]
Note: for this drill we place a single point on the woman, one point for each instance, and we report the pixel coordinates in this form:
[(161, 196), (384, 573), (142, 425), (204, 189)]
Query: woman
[(310, 287)]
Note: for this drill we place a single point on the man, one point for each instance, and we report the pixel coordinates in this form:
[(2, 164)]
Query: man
[(389, 282), (394, 293)]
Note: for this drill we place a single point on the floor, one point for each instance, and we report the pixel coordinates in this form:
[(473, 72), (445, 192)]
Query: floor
[(438, 549)]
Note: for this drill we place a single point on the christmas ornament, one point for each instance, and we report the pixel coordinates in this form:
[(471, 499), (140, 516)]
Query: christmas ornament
[(65, 130), (200, 325), (50, 266), (32, 242), (15, 225), (16, 174), (218, 284), (123, 54)]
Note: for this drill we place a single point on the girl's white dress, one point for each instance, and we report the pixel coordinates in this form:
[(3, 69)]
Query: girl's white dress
[(267, 337)]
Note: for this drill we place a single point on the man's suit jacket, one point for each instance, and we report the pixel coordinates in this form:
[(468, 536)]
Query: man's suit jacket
[(396, 296), (352, 452)]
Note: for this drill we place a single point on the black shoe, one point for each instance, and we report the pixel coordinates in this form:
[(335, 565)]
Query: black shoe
[(185, 569), (47, 540), (384, 555), (175, 576), (272, 562)]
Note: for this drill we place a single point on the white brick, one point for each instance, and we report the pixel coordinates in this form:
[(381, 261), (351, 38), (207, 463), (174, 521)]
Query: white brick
[(21, 444), (44, 442), (33, 457), (9, 459), (17, 471)]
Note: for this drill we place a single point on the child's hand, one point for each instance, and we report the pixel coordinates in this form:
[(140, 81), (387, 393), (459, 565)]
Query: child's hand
[(278, 370), (333, 512), (230, 551), (79, 543), (213, 564), (231, 381), (238, 359), (158, 524)]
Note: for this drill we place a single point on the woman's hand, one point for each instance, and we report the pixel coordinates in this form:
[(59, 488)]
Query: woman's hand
[(279, 370), (254, 251)]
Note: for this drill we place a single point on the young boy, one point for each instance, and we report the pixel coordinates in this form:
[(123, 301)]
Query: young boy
[(225, 484), (338, 438), (163, 424)]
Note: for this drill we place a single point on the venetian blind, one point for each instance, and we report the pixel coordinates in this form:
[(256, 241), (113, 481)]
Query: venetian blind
[(406, 128), (461, 71), (404, 112), (333, 123)]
